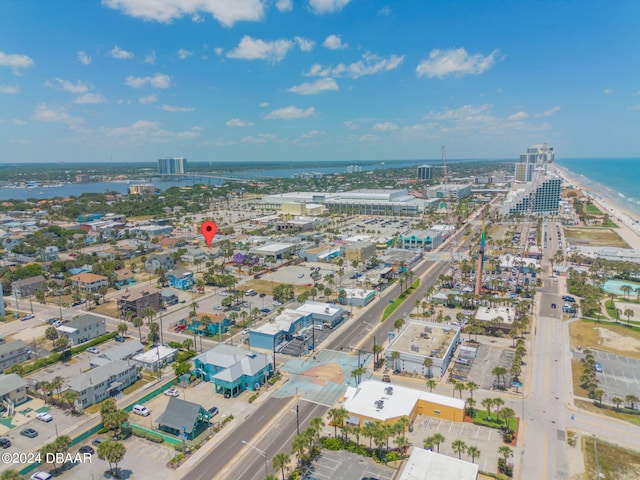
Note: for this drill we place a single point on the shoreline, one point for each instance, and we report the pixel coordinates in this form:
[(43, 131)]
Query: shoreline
[(628, 223)]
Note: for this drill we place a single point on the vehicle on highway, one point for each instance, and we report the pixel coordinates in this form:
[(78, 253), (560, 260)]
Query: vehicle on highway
[(180, 327), (86, 449), (172, 392), (265, 310), (5, 442), (93, 350), (44, 417), (29, 432)]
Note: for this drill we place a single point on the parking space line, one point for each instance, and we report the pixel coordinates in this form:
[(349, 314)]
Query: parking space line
[(477, 432), (450, 427)]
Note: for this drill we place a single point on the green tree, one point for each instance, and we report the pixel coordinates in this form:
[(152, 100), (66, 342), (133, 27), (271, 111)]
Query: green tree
[(51, 333), (632, 400), (123, 328), (280, 462), (180, 368), (428, 363), (438, 438), (458, 446), (505, 452), (431, 384), (487, 403), (137, 323), (628, 313), (10, 475), (70, 397), (473, 452), (337, 416), (113, 452)]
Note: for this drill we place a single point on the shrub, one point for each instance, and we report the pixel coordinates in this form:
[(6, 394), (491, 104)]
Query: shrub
[(152, 437), (102, 431), (173, 344), (252, 398), (139, 433)]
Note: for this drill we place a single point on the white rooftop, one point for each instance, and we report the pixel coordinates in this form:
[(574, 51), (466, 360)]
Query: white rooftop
[(427, 465), (360, 293), (65, 329), (273, 247), (362, 400), (152, 355), (319, 308), (486, 314)]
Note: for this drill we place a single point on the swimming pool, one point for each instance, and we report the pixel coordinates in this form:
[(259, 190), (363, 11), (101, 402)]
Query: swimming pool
[(614, 286)]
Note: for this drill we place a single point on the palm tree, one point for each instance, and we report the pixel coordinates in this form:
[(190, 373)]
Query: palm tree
[(632, 399), (428, 363), (617, 401), (470, 405), (395, 356), (431, 383), (471, 386), (438, 438), (507, 415), (473, 452), (460, 386), (123, 328), (428, 443), (505, 452), (458, 446), (137, 323), (598, 394), (56, 385), (498, 402), (281, 462), (499, 372), (337, 416), (487, 403), (45, 387), (628, 313), (71, 397), (377, 350)]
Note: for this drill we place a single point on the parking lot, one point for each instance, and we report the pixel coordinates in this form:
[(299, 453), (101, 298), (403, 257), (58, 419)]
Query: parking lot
[(341, 465), (492, 352), (620, 375)]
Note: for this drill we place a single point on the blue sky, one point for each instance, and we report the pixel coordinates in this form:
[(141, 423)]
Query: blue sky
[(228, 80)]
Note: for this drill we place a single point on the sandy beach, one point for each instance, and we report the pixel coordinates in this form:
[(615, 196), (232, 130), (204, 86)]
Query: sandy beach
[(629, 225)]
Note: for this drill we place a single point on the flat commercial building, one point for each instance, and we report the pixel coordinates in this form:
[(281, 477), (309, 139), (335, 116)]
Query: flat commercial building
[(419, 340), (421, 239), (373, 401), (275, 250), (449, 191), (496, 317), (427, 465)]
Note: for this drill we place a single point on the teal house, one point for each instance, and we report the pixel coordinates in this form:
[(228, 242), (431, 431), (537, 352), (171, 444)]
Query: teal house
[(233, 369), (425, 240), (183, 419)]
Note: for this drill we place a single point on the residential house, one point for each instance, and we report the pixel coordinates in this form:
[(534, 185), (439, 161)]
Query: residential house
[(13, 353), (27, 286), (181, 279), (168, 297), (158, 356), (13, 391), (89, 282), (124, 277), (196, 255), (50, 253), (137, 300), (184, 418), (103, 382), (83, 328), (162, 260), (233, 369), (215, 324)]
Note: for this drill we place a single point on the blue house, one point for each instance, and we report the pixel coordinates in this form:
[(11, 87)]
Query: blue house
[(216, 324), (285, 326), (124, 277), (233, 369), (181, 279)]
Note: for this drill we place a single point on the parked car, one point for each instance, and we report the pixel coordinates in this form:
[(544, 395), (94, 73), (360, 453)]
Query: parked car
[(141, 410), (217, 307), (598, 368), (172, 392), (29, 432), (97, 441), (51, 321), (41, 476), (86, 449), (44, 417), (119, 338), (28, 316), (180, 327), (93, 350), (386, 378), (213, 411), (5, 442)]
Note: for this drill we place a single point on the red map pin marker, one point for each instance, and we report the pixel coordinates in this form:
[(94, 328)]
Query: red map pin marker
[(208, 230)]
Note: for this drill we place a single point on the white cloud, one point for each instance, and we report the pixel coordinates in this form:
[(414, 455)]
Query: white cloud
[(9, 89), (182, 53), (159, 80), (369, 65), (548, 113), (264, 104), (256, 49), (148, 99), (636, 94), (385, 127), (60, 84), (84, 58), (18, 121), (607, 91), (171, 108), (305, 44), (367, 138), (260, 138), (120, 54), (351, 125), (384, 11), (219, 51), (43, 113), (312, 134), (284, 5), (516, 117), (334, 42), (327, 6), (144, 131), (457, 62), (634, 107), (150, 58), (16, 62), (289, 113), (236, 122), (227, 12), (313, 88), (92, 98)]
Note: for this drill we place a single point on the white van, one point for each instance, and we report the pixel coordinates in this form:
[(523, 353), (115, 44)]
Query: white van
[(41, 476), (141, 410), (251, 292)]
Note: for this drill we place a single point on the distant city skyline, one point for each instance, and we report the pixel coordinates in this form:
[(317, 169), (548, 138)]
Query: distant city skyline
[(316, 80)]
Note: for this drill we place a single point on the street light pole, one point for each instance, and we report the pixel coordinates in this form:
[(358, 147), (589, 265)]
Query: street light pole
[(266, 467)]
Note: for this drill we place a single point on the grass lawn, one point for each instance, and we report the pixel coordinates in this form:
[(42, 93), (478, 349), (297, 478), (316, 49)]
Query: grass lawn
[(610, 412), (398, 301), (594, 237), (480, 418), (135, 386), (591, 209), (576, 373), (610, 305), (614, 462)]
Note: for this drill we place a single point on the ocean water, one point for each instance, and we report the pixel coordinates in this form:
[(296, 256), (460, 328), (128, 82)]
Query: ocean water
[(617, 179)]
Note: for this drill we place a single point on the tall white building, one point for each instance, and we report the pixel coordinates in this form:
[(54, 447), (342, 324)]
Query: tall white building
[(537, 156), (172, 165)]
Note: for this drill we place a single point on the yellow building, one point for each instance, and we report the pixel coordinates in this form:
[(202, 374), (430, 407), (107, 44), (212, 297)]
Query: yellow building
[(374, 401)]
